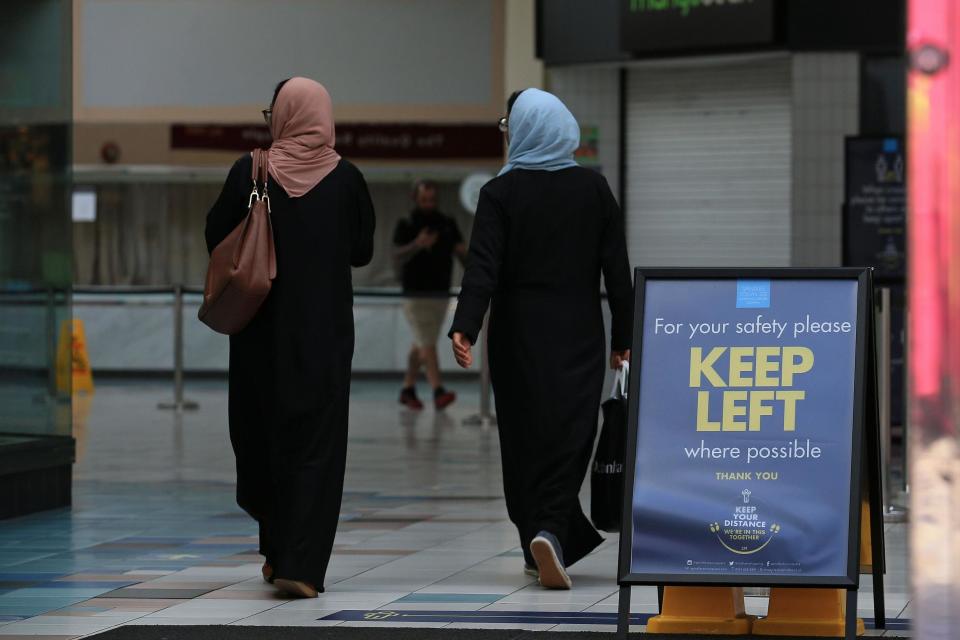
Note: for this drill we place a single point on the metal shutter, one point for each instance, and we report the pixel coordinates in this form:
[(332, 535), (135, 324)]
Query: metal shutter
[(708, 164)]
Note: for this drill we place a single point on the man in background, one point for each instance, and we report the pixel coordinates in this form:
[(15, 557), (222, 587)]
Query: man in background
[(424, 246)]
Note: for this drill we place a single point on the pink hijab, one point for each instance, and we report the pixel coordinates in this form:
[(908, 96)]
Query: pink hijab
[(303, 136)]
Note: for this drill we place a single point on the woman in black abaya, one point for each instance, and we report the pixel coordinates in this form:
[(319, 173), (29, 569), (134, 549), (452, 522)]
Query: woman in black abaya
[(545, 231), (290, 368)]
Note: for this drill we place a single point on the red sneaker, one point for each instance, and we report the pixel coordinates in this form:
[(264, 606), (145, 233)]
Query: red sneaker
[(408, 397), (443, 398)]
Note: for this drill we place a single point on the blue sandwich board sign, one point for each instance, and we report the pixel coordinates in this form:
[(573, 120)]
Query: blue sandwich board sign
[(748, 424)]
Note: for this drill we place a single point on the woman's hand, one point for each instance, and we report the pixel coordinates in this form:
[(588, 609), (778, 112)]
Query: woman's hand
[(462, 350), (617, 358)]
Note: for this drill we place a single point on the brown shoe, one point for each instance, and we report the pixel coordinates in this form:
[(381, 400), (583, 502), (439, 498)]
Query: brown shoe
[(267, 572), (295, 588)]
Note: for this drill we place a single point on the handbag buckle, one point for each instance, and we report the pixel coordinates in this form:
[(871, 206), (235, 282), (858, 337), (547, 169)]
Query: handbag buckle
[(253, 194)]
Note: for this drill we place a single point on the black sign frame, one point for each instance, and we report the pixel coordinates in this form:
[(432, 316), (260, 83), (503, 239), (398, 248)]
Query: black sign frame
[(865, 479), (847, 241)]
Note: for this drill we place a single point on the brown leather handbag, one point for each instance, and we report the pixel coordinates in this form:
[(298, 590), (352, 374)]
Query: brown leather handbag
[(243, 266)]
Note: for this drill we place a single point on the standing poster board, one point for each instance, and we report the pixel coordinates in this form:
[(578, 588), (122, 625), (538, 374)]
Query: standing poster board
[(875, 235), (749, 403), (875, 206)]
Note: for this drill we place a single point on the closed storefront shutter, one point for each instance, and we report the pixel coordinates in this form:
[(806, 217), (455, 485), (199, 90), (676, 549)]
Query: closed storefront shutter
[(708, 164)]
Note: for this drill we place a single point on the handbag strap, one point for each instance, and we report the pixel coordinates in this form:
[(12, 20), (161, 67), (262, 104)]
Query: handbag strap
[(259, 176), (264, 176), (255, 166), (255, 193)]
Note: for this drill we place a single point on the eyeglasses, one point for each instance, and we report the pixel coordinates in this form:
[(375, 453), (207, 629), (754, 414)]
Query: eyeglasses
[(503, 125), (267, 116)]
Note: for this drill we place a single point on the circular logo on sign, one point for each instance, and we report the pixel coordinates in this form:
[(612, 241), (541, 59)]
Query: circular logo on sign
[(745, 529)]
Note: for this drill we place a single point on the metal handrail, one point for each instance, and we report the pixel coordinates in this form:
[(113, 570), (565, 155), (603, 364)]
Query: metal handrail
[(484, 418), (367, 292)]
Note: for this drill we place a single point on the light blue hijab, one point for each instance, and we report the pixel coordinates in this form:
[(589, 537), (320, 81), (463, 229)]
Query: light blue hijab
[(543, 133)]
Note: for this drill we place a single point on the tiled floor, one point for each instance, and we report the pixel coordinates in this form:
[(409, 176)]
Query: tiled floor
[(155, 537)]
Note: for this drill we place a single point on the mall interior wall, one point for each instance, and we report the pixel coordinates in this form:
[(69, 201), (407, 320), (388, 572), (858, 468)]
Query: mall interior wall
[(825, 110), (592, 95), (372, 54), (416, 61)]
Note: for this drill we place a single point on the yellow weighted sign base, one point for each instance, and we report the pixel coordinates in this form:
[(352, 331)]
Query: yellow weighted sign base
[(707, 610), (805, 612)]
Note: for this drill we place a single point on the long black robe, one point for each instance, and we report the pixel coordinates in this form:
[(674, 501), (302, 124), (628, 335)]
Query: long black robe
[(540, 242), (290, 368)]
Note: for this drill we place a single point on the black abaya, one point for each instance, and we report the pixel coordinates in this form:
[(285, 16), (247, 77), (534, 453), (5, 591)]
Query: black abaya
[(540, 241), (290, 368)]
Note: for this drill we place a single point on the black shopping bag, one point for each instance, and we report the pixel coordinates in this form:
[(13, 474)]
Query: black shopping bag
[(606, 475)]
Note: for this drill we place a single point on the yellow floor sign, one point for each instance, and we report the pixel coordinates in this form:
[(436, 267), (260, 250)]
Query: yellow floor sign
[(73, 361), (806, 612), (703, 610)]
